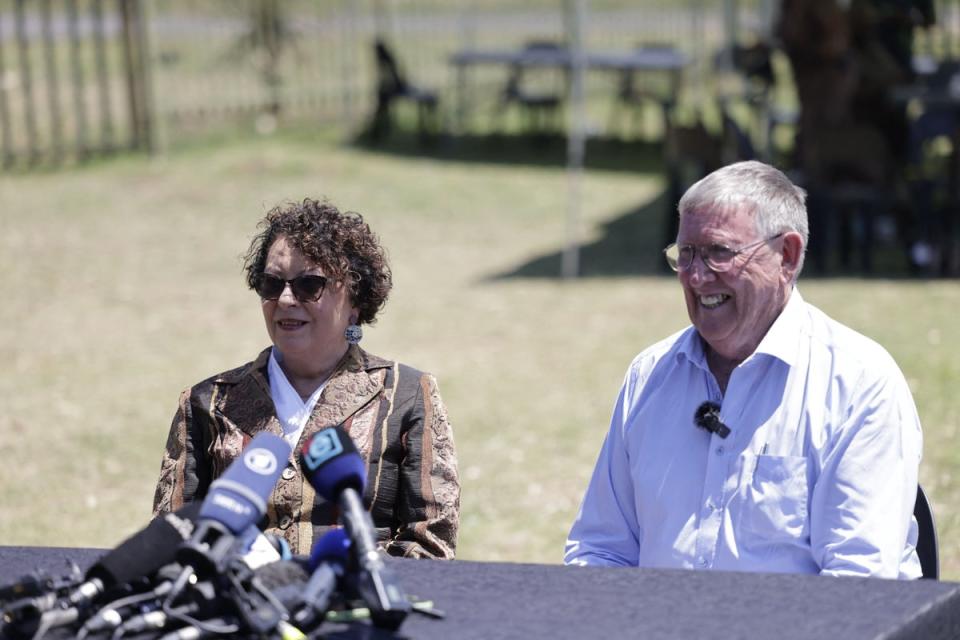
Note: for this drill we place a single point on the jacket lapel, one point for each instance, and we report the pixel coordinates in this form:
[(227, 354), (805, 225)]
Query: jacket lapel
[(248, 404), (355, 384)]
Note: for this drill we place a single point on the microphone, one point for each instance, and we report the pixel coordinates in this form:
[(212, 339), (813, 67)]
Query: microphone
[(306, 586), (236, 500), (328, 560), (255, 547), (707, 417), (39, 582), (139, 556), (332, 465)]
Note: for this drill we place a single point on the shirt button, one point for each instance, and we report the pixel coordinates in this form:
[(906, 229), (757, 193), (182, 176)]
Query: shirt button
[(719, 450), (288, 473), (285, 522)]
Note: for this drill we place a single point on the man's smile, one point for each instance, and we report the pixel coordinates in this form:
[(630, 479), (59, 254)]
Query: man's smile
[(714, 300)]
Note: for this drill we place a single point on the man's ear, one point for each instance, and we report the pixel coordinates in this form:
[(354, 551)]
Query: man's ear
[(792, 254)]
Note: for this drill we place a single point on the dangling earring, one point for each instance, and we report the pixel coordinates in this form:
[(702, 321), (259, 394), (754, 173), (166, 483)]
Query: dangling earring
[(353, 333)]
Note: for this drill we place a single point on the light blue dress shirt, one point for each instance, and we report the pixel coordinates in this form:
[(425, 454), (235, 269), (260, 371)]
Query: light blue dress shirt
[(818, 474)]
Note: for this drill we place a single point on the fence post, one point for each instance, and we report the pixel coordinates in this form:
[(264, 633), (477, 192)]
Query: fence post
[(5, 133), (53, 84), (135, 66), (76, 71), (103, 78), (29, 108)]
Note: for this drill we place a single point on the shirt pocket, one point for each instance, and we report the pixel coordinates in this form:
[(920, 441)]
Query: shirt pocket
[(774, 498)]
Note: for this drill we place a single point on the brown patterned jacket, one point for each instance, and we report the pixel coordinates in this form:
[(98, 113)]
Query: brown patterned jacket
[(394, 415)]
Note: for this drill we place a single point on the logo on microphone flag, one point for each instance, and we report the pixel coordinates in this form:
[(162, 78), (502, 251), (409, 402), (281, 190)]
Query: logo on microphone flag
[(260, 461), (323, 446)]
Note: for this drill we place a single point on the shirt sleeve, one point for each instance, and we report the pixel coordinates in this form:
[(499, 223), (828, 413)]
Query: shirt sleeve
[(605, 531), (429, 500), (862, 502)]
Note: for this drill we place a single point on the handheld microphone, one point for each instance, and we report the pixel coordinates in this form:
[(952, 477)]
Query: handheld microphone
[(332, 465), (707, 417), (237, 500), (306, 587), (38, 583), (327, 562)]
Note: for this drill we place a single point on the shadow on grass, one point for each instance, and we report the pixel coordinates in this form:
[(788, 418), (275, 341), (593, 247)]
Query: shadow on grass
[(629, 245), (609, 154)]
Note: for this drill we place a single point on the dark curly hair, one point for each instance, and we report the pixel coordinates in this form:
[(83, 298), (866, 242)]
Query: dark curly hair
[(341, 243)]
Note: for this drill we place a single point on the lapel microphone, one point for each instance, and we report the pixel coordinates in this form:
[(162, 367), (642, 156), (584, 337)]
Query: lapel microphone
[(707, 417)]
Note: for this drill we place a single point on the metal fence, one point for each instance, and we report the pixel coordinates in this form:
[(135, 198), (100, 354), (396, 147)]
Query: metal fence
[(80, 78)]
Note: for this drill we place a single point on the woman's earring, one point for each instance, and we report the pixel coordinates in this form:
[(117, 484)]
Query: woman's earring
[(353, 333)]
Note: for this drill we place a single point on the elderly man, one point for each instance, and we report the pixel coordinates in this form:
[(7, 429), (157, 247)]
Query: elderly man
[(767, 436)]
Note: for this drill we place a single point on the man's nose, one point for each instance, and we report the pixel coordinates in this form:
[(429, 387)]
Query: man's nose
[(698, 271)]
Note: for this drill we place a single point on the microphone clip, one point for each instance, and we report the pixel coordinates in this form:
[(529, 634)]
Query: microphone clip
[(707, 418)]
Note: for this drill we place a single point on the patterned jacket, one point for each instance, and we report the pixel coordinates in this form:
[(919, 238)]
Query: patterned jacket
[(394, 415)]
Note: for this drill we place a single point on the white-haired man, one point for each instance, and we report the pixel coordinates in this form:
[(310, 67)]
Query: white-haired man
[(766, 436)]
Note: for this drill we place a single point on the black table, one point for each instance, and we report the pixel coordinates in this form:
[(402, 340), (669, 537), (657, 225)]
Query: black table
[(499, 600), (665, 60), (640, 59)]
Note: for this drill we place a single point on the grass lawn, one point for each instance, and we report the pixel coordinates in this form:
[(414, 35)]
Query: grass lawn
[(122, 285)]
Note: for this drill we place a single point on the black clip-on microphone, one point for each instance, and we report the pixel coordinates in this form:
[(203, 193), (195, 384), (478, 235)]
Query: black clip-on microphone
[(707, 417)]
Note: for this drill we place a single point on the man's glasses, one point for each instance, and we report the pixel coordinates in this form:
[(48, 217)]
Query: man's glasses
[(717, 257), (306, 288)]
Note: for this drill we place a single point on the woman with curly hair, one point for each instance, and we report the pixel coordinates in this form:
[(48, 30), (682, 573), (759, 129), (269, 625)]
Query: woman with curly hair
[(321, 274)]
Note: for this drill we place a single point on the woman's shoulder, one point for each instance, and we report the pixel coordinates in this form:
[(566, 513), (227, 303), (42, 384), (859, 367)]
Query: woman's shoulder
[(403, 377), (237, 374)]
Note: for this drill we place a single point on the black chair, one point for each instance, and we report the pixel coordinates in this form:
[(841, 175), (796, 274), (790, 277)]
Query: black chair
[(751, 69), (932, 179), (540, 105), (927, 544), (392, 85), (638, 89)]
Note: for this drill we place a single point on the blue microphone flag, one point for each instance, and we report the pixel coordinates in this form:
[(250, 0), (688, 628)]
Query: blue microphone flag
[(238, 498), (331, 463)]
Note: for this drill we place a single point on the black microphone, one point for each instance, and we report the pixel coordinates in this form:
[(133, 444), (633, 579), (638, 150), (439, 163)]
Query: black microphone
[(707, 417), (332, 465), (307, 588), (328, 560), (39, 583), (139, 556)]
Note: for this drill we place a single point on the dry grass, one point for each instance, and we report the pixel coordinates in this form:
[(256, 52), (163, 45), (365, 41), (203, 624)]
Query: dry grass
[(122, 285)]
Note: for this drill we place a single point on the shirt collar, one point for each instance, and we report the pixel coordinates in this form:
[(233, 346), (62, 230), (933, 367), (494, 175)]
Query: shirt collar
[(781, 339), (779, 342), (691, 349)]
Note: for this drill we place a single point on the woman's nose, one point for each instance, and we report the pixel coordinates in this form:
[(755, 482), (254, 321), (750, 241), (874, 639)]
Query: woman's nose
[(286, 296)]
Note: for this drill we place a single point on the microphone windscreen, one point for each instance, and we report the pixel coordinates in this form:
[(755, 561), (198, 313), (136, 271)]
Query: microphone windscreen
[(334, 546), (238, 498), (284, 579), (282, 572), (148, 550), (331, 463)]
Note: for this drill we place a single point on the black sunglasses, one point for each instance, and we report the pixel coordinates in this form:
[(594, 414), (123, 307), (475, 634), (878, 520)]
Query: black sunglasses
[(306, 288)]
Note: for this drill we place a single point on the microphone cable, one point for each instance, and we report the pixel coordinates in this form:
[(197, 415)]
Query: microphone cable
[(108, 616)]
